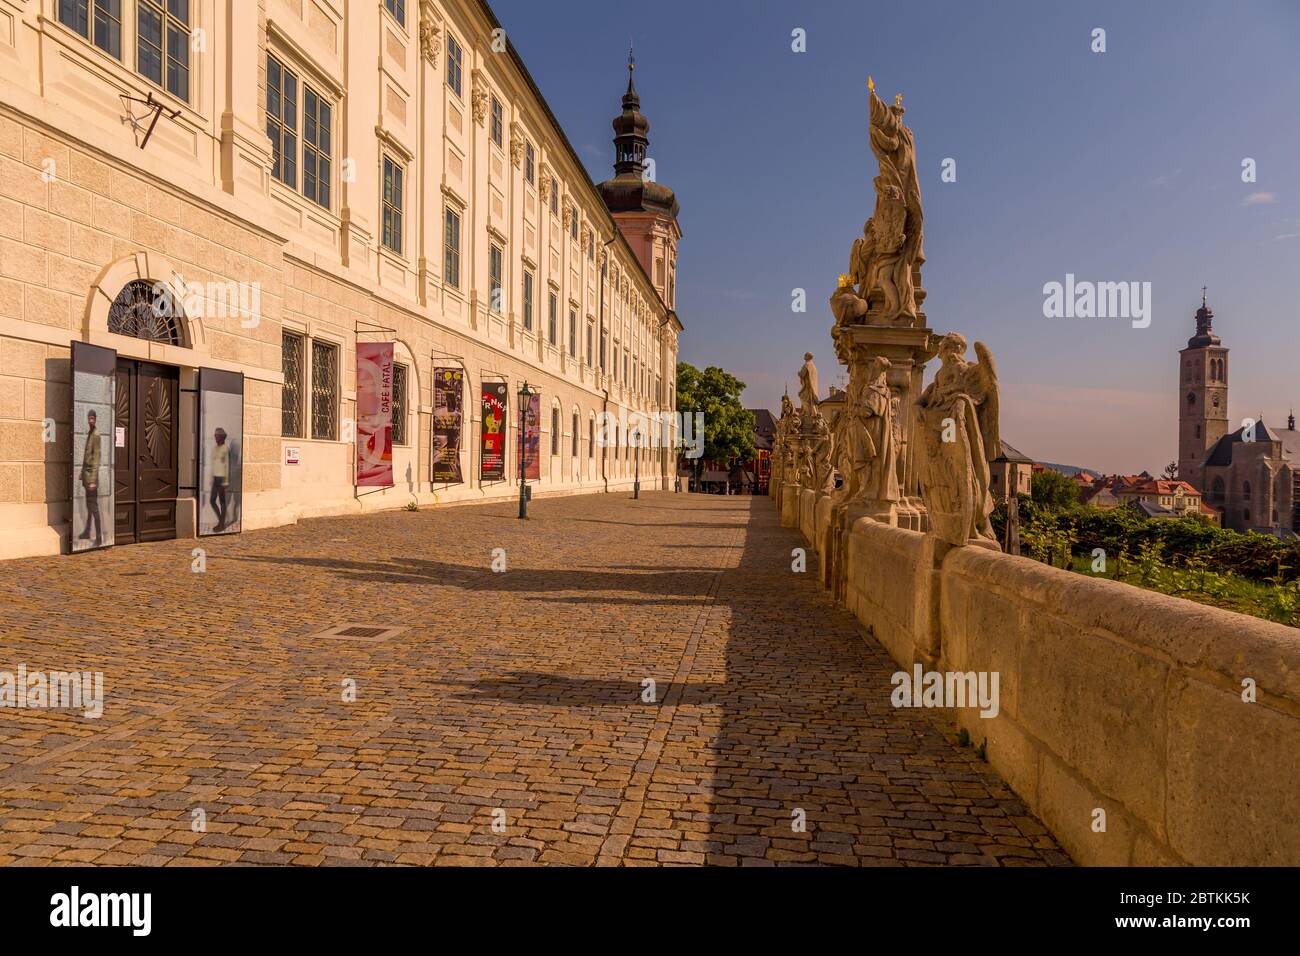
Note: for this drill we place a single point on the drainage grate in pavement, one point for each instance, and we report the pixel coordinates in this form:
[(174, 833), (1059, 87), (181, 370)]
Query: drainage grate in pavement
[(369, 633)]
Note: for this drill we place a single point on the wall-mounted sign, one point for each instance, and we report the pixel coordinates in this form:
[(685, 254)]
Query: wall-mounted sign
[(492, 463), (291, 455), (533, 438), (448, 389), (119, 436), (375, 414)]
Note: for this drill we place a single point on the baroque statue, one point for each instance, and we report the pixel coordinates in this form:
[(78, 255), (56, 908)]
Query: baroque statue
[(807, 385), (959, 425), (823, 453), (880, 287), (865, 449)]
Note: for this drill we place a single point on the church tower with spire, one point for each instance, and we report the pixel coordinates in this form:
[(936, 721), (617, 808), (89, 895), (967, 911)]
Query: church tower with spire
[(1202, 397), (646, 212)]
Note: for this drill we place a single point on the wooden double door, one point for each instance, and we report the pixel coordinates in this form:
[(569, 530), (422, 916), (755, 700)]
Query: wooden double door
[(146, 453)]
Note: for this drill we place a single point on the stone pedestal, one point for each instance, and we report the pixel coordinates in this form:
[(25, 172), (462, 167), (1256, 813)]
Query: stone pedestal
[(908, 349), (790, 505)]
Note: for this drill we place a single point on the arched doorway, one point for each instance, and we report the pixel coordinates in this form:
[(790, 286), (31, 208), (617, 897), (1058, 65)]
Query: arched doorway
[(146, 419)]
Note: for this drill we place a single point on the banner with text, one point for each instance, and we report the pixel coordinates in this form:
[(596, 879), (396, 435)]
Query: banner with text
[(374, 414), (492, 462), (533, 439), (448, 392)]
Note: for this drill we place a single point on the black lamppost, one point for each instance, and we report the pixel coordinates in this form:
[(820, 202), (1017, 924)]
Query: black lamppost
[(524, 394), (636, 464)]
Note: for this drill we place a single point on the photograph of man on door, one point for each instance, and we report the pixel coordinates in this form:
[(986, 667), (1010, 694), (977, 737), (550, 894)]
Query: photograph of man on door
[(221, 435), (92, 447)]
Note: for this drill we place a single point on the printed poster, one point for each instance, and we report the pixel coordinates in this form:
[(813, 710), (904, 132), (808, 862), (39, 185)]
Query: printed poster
[(374, 414), (492, 462), (94, 404), (448, 389), (221, 457), (533, 439)]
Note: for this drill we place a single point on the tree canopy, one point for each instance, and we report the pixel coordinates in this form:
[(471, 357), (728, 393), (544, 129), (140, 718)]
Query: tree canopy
[(1053, 490), (728, 427)]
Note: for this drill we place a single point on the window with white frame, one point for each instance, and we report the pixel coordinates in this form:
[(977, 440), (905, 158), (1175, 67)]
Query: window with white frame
[(495, 292), (530, 164), (455, 65), (528, 300), (162, 44), (392, 205), (99, 21), (553, 308), (286, 97), (498, 122), (398, 9), (451, 248), (399, 403)]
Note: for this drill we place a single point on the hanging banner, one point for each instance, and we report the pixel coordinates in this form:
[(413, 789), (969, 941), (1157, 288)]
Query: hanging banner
[(533, 439), (221, 458), (94, 403), (492, 461), (448, 389), (374, 414)]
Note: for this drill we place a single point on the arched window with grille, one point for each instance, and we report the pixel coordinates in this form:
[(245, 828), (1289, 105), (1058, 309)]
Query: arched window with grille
[(555, 430), (145, 310)]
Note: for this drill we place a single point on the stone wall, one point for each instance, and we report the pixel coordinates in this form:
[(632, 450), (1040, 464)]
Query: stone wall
[(1111, 697)]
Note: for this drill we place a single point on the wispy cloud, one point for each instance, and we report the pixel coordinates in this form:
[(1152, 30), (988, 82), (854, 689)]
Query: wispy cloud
[(1166, 179), (1259, 199), (1287, 235)]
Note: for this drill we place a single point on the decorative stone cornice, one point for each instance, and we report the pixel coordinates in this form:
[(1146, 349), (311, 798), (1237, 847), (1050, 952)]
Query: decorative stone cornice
[(430, 33)]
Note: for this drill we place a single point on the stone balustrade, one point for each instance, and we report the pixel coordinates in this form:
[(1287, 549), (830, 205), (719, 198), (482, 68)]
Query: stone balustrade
[(1112, 698)]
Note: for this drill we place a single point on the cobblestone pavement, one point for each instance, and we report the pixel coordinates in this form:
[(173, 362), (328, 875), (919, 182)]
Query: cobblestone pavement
[(514, 698)]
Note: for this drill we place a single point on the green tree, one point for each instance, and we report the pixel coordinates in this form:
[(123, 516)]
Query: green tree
[(1053, 490), (728, 428)]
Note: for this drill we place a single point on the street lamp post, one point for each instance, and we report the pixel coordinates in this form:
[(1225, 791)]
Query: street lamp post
[(636, 465), (524, 394)]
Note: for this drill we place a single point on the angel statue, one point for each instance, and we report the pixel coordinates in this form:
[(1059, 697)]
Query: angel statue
[(959, 425), (866, 454)]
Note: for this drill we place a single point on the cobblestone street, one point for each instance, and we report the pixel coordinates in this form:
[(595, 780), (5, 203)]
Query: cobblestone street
[(505, 724)]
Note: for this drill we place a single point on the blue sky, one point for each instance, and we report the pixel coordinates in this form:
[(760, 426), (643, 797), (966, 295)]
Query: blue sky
[(1123, 165)]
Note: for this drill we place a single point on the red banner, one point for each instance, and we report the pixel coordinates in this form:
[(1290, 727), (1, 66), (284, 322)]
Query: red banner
[(533, 439), (374, 414), (492, 463)]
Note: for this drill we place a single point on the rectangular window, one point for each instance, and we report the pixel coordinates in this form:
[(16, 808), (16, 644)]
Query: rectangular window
[(530, 164), (573, 225), (573, 333), (528, 300), (555, 431), (282, 121), (163, 44), (574, 450), (589, 332), (451, 249), (615, 373), (399, 404), (291, 347), (315, 147), (392, 227), (553, 308), (498, 122), (106, 17), (324, 391), (555, 197), (495, 292), (453, 64), (398, 9), (591, 437)]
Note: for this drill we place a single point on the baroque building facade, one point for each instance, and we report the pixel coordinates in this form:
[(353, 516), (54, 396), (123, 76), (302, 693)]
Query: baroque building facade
[(312, 175), (1248, 473)]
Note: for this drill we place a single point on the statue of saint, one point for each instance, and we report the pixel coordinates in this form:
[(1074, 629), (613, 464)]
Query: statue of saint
[(807, 385), (898, 194), (823, 449), (866, 454), (959, 423)]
